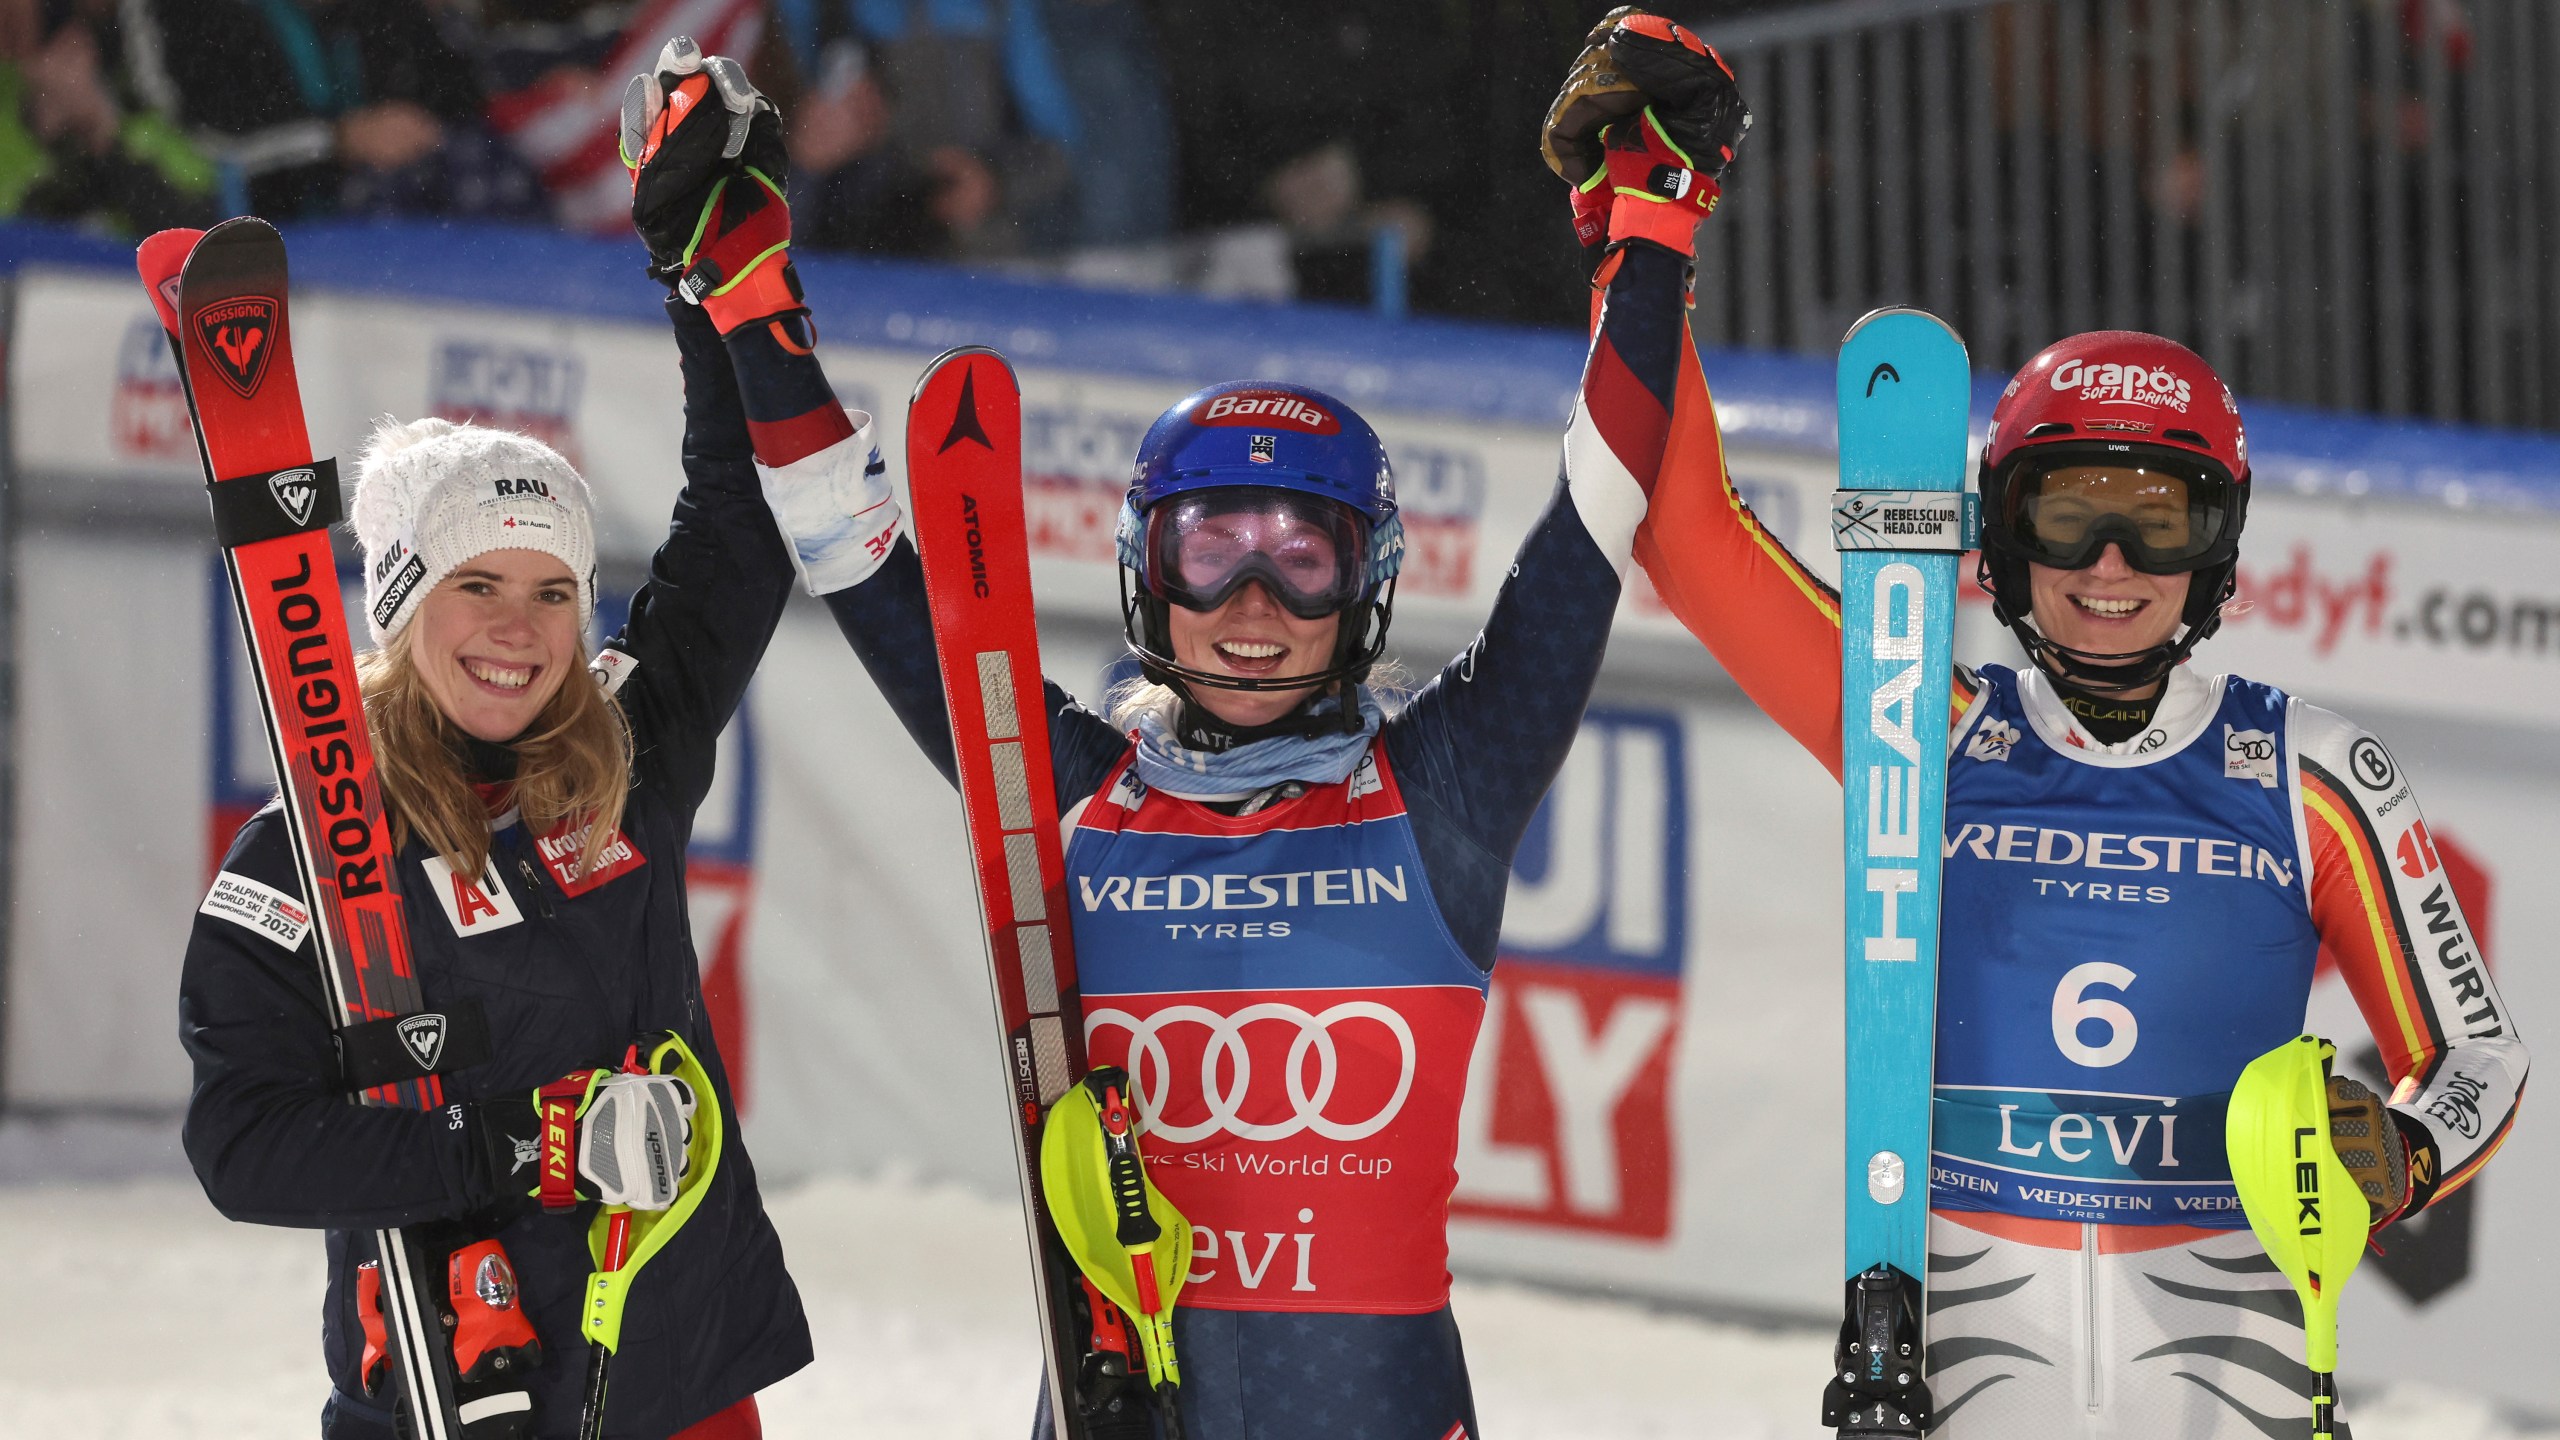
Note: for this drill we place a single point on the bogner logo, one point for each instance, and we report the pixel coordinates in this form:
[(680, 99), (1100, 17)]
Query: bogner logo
[(237, 335), (296, 491), (424, 1037)]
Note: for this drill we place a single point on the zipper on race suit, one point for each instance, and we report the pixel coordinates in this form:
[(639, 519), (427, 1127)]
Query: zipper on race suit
[(533, 882)]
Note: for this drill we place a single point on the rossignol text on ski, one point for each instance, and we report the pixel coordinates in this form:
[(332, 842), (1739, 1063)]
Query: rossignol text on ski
[(222, 297)]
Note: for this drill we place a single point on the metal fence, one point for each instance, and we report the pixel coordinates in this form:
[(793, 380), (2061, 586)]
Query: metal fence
[(2345, 203)]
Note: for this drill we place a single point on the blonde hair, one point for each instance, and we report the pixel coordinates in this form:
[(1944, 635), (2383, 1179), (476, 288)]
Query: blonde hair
[(574, 762)]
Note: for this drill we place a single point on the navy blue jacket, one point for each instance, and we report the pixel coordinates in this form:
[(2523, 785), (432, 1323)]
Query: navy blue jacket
[(271, 1134)]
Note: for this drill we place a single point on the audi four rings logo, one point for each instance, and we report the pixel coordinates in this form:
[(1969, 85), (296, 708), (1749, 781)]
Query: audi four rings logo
[(1151, 1068)]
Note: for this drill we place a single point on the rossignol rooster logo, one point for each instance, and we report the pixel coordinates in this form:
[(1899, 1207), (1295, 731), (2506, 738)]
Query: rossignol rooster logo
[(295, 492), (238, 335), (424, 1036)]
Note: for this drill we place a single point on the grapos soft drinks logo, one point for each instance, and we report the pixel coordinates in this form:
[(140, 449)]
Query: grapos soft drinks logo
[(1568, 1119)]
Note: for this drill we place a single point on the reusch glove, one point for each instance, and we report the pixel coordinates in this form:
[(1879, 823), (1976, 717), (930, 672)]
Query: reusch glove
[(623, 1132), (1643, 129), (2391, 1155), (707, 173)]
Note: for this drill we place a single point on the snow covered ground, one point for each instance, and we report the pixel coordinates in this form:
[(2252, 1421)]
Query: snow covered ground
[(135, 1311)]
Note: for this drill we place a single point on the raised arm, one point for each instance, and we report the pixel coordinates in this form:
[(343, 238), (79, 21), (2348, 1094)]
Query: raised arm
[(1484, 739), (2386, 912), (716, 587)]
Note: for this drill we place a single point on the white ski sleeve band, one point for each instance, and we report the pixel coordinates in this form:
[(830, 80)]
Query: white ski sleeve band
[(836, 509), (631, 1141)]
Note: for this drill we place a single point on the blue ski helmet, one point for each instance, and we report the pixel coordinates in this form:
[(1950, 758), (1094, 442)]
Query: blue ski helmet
[(1265, 435)]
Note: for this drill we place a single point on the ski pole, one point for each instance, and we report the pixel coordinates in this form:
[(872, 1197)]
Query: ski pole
[(617, 1249), (2287, 1173), (1136, 1229), (623, 1240)]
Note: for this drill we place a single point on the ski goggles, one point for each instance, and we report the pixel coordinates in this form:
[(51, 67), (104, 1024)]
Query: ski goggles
[(1204, 546), (2166, 516)]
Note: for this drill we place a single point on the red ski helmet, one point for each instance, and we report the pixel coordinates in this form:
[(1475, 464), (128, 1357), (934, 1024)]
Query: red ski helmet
[(2115, 398)]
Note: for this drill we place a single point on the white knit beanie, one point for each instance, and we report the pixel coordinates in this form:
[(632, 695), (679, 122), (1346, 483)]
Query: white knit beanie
[(431, 495)]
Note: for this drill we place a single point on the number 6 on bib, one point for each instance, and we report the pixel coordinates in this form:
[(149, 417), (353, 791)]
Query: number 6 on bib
[(1900, 522)]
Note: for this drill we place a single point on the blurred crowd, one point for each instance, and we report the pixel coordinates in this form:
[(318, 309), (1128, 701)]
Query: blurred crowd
[(1277, 148)]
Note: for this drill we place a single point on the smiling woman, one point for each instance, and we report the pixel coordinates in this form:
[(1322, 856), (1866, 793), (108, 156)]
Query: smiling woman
[(541, 805), (476, 646)]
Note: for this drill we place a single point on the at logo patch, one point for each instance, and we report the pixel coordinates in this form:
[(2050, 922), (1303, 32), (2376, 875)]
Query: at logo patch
[(562, 847), (238, 336), (472, 907), (262, 908), (296, 491), (423, 1037)]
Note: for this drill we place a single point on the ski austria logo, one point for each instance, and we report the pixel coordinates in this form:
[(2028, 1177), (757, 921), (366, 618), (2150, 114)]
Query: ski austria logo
[(2123, 384), (237, 336), (1266, 408), (1227, 1074), (295, 492)]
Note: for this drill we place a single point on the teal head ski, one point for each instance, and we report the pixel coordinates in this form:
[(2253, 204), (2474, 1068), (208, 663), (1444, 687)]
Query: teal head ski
[(1900, 520)]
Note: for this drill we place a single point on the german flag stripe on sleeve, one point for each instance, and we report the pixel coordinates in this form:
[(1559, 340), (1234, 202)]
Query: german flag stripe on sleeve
[(2358, 911)]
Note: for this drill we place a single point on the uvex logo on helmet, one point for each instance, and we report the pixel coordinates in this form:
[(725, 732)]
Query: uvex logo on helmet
[(1266, 409), (2126, 384)]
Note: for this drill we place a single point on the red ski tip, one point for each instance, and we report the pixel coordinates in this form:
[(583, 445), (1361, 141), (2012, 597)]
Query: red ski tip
[(161, 259)]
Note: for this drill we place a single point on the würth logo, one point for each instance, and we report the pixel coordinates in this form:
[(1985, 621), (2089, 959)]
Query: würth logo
[(237, 336)]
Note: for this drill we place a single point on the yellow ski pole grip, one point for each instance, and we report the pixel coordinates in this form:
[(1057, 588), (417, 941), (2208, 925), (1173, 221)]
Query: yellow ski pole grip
[(2301, 1200), (1127, 1239)]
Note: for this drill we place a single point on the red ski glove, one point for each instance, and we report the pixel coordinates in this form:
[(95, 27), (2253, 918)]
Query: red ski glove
[(1643, 129), (707, 175)]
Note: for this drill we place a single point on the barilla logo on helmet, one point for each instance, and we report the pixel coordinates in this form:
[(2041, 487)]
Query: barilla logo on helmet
[(1266, 408), (2123, 384)]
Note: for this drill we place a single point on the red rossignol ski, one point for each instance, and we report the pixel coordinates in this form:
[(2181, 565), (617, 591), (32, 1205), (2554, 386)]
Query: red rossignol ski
[(221, 296), (964, 478)]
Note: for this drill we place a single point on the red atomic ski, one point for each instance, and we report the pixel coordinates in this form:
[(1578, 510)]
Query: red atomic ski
[(221, 296), (964, 476)]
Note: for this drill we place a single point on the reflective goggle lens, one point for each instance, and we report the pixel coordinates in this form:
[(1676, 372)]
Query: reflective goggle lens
[(1308, 552), (2165, 518)]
